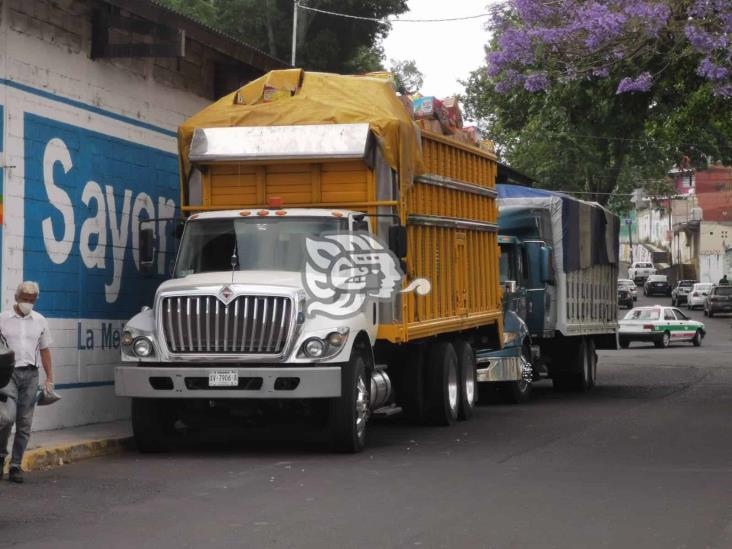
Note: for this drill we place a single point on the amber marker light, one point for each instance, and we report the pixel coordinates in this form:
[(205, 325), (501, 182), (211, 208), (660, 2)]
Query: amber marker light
[(336, 214), (263, 212), (280, 212), (274, 202), (245, 213)]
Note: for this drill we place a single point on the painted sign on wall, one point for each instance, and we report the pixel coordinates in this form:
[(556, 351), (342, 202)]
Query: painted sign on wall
[(85, 194)]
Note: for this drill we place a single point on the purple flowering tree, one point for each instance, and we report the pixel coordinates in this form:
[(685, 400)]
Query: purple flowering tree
[(603, 96), (542, 42)]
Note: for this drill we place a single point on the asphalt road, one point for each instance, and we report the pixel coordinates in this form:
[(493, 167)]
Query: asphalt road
[(645, 460)]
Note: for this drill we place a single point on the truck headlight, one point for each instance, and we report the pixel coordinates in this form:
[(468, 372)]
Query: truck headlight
[(314, 347), (142, 347)]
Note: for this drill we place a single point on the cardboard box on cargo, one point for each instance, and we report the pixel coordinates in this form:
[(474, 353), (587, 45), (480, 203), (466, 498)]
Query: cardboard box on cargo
[(453, 116)]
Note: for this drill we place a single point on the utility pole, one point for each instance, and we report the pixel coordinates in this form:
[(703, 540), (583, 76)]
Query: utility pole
[(294, 33), (629, 223)]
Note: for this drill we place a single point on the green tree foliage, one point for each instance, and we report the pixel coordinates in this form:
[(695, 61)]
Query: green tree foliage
[(409, 78), (324, 42)]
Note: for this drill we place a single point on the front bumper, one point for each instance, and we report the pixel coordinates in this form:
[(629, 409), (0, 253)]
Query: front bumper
[(179, 381)]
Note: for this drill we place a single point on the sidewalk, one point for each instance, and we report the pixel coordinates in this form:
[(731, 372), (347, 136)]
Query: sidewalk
[(60, 446)]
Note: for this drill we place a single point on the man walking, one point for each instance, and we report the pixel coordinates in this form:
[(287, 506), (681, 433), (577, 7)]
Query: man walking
[(26, 333)]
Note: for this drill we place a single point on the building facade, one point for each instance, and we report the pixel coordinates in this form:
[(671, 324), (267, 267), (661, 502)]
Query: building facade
[(90, 100)]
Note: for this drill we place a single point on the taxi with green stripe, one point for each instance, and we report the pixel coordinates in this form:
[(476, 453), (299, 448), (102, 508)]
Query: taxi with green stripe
[(659, 325)]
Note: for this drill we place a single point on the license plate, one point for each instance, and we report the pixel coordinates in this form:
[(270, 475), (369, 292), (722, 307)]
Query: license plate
[(223, 379)]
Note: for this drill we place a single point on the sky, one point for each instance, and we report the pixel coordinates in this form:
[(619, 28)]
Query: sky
[(444, 52)]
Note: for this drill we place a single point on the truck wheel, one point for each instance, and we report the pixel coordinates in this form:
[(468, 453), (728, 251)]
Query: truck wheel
[(697, 339), (517, 392), (350, 412), (467, 378), (152, 424), (592, 359), (578, 379), (443, 393)]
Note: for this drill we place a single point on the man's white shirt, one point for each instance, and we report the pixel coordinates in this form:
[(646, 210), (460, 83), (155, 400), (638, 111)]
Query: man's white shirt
[(26, 335)]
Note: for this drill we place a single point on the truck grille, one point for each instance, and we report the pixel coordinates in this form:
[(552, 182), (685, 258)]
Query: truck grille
[(249, 324)]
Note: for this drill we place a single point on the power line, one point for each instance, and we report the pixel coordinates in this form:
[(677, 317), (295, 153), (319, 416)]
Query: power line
[(389, 19)]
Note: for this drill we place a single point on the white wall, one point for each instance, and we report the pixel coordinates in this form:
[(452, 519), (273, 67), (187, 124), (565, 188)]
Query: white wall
[(88, 149)]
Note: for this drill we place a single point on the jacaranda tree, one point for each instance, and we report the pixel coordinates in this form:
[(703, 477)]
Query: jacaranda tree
[(604, 95)]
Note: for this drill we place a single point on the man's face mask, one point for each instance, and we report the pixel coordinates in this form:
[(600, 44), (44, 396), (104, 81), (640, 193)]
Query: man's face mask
[(25, 308)]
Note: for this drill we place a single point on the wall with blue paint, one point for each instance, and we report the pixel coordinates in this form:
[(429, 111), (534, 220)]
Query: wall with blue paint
[(86, 194), (88, 150)]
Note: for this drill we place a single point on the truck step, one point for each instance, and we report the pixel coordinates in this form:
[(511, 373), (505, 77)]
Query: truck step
[(386, 411)]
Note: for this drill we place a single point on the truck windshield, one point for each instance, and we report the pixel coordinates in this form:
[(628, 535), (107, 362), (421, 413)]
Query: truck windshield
[(263, 244)]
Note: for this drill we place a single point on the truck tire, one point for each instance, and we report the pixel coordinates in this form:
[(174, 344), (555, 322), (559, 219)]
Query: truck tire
[(152, 424), (443, 393), (592, 358), (517, 392), (349, 413), (467, 378), (577, 379)]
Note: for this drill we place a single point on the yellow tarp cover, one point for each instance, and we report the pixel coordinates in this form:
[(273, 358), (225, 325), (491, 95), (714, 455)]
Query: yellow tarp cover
[(319, 98)]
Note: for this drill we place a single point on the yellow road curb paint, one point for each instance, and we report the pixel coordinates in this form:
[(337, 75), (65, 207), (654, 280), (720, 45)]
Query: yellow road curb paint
[(55, 456)]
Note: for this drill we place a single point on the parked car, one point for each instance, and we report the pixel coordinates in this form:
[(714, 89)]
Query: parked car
[(719, 300), (681, 291), (659, 325), (656, 284), (632, 286), (698, 295), (640, 271), (625, 298)]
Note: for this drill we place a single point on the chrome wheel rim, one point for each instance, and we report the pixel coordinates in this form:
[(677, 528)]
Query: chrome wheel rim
[(470, 387), (362, 407), (452, 388)]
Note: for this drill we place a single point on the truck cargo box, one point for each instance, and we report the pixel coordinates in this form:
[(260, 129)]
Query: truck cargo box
[(584, 240), (348, 143)]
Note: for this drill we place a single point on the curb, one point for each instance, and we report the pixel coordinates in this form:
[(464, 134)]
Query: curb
[(55, 456)]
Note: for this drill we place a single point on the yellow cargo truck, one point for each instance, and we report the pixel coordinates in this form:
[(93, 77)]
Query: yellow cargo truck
[(335, 263)]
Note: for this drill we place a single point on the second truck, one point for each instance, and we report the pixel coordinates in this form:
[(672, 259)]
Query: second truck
[(335, 263)]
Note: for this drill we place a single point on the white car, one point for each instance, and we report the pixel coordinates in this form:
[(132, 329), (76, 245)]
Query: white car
[(659, 325), (640, 271), (628, 283), (698, 295)]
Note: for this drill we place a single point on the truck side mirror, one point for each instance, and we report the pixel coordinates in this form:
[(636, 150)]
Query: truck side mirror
[(398, 240), (510, 286), (147, 249), (547, 269), (360, 225)]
